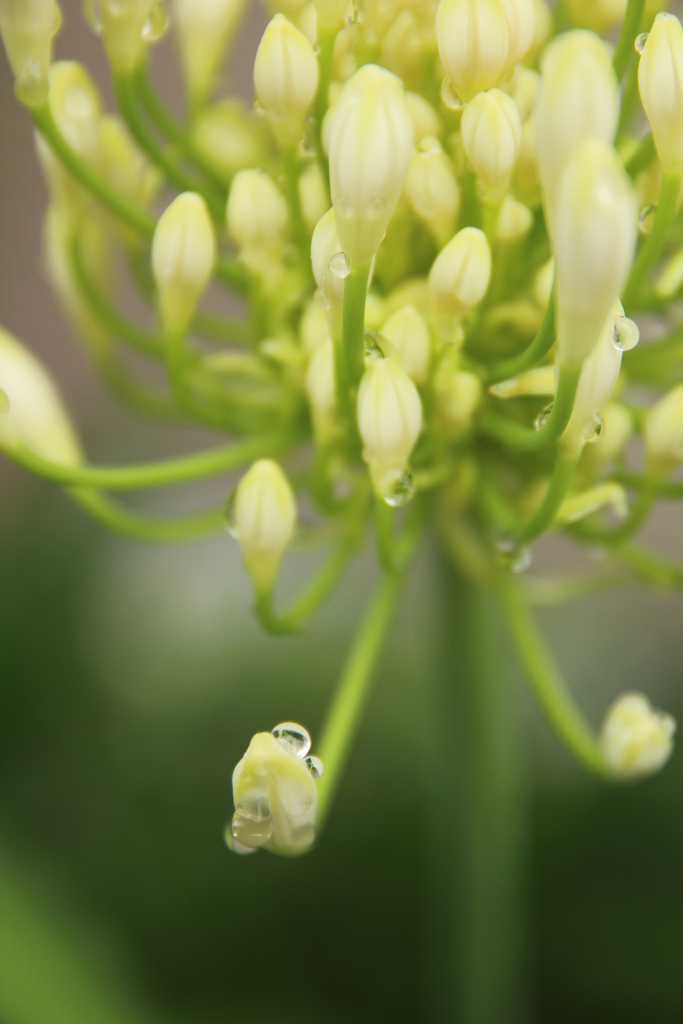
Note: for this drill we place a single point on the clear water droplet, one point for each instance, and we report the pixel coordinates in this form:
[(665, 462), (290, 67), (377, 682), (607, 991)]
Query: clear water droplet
[(315, 766), (626, 334), (401, 491), (293, 737), (513, 556), (543, 417), (373, 346), (232, 844), (640, 42), (592, 430), (647, 219), (252, 822), (449, 96), (157, 23), (4, 403), (320, 299), (339, 265), (31, 86), (258, 107), (376, 206)]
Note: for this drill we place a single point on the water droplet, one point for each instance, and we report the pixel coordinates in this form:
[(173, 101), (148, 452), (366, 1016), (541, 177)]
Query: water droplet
[(401, 491), (4, 403), (232, 844), (543, 417), (513, 556), (647, 219), (258, 107), (640, 41), (339, 265), (373, 346), (292, 737), (320, 299), (157, 23), (626, 334), (315, 766), (252, 822), (592, 430), (449, 96), (376, 206), (31, 86)]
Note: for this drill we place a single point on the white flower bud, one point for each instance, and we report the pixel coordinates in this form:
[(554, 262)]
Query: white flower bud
[(595, 226), (474, 42), (598, 15), (371, 137), (183, 256), (432, 189), (524, 87), (123, 165), (425, 118), (285, 78), (586, 503), (660, 80), (313, 327), (664, 432), (321, 389), (313, 195), (36, 417), (27, 28), (230, 137), (122, 22), (458, 395), (461, 273), (521, 21), (636, 739), (264, 520), (579, 100), (491, 135), (205, 30), (389, 421), (257, 216), (331, 14), (409, 336), (276, 800), (515, 220)]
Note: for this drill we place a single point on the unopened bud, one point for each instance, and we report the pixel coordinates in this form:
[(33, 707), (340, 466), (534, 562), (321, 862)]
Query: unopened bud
[(257, 216), (122, 23), (123, 165), (265, 517), (313, 195), (371, 137), (586, 503), (598, 15), (205, 30), (313, 327), (524, 87), (183, 256), (458, 396), (636, 739), (330, 269), (660, 80), (432, 189), (230, 137), (460, 275), (425, 118), (474, 41), (515, 220), (389, 421), (664, 433), (521, 21), (491, 135), (617, 428), (409, 335), (321, 389), (331, 13), (27, 28), (285, 78)]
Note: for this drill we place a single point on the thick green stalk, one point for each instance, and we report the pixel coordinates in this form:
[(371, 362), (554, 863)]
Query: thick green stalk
[(516, 436), (560, 482), (136, 526), (505, 369), (655, 241), (353, 323), (629, 30)]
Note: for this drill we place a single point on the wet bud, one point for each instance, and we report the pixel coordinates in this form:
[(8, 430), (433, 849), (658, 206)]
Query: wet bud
[(432, 189), (409, 336), (617, 428), (183, 255), (491, 135), (389, 420), (27, 28), (331, 14), (598, 15), (595, 226), (257, 217), (321, 389), (265, 517), (36, 417), (660, 80), (371, 137), (664, 433), (122, 22), (474, 42), (521, 21), (515, 220), (275, 796), (579, 100), (636, 739), (460, 275), (330, 269), (285, 78), (205, 29)]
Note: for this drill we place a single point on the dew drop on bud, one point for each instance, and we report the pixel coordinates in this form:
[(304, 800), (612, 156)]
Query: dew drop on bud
[(592, 430), (401, 491), (428, 145), (626, 334), (543, 417), (339, 265), (647, 219), (373, 348), (640, 42), (315, 766), (320, 299), (292, 737), (157, 23), (252, 822), (513, 556), (449, 96), (232, 844)]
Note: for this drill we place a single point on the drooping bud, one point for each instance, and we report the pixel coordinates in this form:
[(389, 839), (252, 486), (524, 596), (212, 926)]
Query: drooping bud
[(122, 163), (122, 24), (183, 256), (409, 335), (636, 739), (389, 421), (205, 31), (285, 78), (582, 504), (27, 28), (595, 225), (474, 42), (664, 433), (265, 517), (371, 137), (432, 189), (660, 80), (491, 135), (460, 275), (257, 217), (521, 21)]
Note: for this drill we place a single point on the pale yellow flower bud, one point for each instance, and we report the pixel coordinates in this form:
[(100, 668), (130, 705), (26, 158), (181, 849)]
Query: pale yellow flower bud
[(636, 739), (403, 49), (371, 137), (617, 428), (544, 25), (521, 20), (257, 216), (474, 42), (331, 14), (321, 389), (27, 28), (460, 275), (183, 256), (524, 87), (660, 80), (458, 395), (122, 23), (36, 417), (671, 279), (598, 15), (409, 336), (122, 163), (313, 327), (515, 220), (664, 432), (425, 118), (94, 251), (264, 521), (526, 182), (285, 78), (205, 29), (313, 195), (230, 137), (586, 503), (432, 189), (491, 135), (330, 268), (595, 225), (389, 421), (543, 283)]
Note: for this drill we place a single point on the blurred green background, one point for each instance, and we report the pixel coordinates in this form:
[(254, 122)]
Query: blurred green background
[(132, 680)]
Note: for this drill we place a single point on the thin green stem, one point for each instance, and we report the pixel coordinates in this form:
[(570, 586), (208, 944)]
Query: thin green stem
[(290, 164), (560, 483), (672, 489), (629, 30), (516, 436), (650, 567), (136, 526), (505, 369), (643, 155), (384, 534), (353, 322), (655, 241)]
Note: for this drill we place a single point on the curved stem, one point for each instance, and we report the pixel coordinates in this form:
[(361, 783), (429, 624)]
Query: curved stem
[(136, 526), (504, 369), (639, 513), (353, 322), (560, 482), (629, 30), (655, 241), (516, 436)]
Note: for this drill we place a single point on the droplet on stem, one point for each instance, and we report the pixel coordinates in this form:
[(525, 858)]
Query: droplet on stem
[(315, 766), (401, 491), (339, 265), (543, 417)]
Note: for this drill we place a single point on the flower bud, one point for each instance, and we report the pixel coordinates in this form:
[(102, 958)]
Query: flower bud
[(275, 796), (313, 195), (458, 396), (330, 269), (425, 118), (122, 22), (617, 428), (460, 275), (474, 43), (230, 137), (321, 389), (122, 163), (205, 30), (432, 189), (524, 87), (664, 433), (586, 503), (257, 217), (660, 80), (595, 226), (27, 28), (331, 13), (409, 336), (520, 16), (265, 517), (313, 327), (579, 100), (389, 421), (515, 220), (491, 135), (285, 78), (371, 137), (183, 255), (36, 417), (636, 739), (598, 15)]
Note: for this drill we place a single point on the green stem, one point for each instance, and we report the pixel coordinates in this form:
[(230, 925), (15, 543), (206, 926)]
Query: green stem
[(353, 322), (516, 436), (629, 30), (663, 489), (384, 534), (650, 567), (639, 514), (655, 241), (139, 527), (643, 156), (290, 163), (560, 483), (505, 369)]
